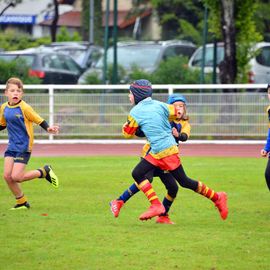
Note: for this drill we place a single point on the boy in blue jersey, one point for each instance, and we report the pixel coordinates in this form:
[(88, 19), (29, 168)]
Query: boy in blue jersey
[(18, 117), (181, 132), (153, 118), (265, 151)]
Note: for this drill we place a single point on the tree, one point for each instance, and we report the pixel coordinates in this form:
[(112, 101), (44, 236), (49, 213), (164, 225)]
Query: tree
[(55, 20), (233, 22), (180, 18), (98, 31)]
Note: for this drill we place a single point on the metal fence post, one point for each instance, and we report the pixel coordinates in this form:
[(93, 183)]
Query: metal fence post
[(51, 109)]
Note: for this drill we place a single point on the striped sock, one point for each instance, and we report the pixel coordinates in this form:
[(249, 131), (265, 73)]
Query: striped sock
[(206, 191), (42, 172), (146, 187), (167, 203), (127, 194), (21, 200)]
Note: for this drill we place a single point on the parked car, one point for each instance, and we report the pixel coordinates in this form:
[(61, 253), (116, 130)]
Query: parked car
[(51, 68), (143, 55), (259, 65), (83, 53)]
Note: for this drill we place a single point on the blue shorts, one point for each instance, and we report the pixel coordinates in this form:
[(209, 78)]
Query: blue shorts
[(18, 156)]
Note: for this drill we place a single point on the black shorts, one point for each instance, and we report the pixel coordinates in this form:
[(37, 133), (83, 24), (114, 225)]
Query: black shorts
[(18, 156)]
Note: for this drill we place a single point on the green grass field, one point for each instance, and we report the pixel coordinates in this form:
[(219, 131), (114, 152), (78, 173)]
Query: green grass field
[(80, 233)]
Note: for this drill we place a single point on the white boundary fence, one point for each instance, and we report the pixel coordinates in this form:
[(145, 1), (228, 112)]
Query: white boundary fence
[(87, 112)]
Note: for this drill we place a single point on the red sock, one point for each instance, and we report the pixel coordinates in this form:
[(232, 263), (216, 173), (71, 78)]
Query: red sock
[(206, 191), (146, 187)]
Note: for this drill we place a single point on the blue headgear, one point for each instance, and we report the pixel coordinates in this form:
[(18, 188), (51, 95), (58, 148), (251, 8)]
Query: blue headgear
[(176, 97), (141, 89)]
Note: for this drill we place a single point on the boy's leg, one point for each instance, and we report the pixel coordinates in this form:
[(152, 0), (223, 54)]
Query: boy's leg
[(139, 172), (219, 198), (267, 173), (48, 173), (20, 175), (172, 189), (117, 204), (21, 200)]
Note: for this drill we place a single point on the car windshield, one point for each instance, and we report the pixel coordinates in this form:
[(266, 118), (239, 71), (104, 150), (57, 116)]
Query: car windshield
[(144, 57), (263, 58), (209, 56), (78, 54), (28, 59)]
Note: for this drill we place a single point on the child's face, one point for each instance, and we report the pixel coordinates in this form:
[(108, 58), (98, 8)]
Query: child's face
[(131, 98), (13, 93), (180, 106)]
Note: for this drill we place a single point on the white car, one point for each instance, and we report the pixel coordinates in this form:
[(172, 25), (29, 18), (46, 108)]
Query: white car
[(259, 65)]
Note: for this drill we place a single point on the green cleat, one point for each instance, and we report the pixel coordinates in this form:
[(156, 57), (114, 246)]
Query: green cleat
[(51, 176), (23, 206)]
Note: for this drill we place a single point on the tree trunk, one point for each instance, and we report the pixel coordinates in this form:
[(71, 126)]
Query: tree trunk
[(228, 67), (54, 21)]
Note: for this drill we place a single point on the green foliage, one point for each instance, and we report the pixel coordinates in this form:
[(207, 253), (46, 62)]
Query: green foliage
[(175, 71), (16, 69), (11, 40), (261, 18), (174, 16), (246, 32), (64, 35), (188, 32), (93, 78), (98, 30), (137, 73)]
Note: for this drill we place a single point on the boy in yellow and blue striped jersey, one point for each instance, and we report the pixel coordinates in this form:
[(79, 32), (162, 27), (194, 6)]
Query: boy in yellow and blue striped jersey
[(18, 117)]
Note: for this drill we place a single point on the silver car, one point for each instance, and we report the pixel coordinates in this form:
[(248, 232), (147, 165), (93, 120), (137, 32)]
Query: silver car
[(259, 65), (145, 55)]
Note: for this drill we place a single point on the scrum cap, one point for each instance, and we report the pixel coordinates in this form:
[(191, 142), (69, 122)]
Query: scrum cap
[(176, 97), (141, 89)]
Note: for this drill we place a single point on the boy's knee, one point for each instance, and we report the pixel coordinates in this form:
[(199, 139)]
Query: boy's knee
[(173, 190), (16, 178), (8, 178), (137, 176)]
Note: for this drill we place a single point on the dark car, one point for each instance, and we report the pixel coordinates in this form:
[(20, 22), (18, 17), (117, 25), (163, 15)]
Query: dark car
[(51, 68), (83, 53), (146, 56)]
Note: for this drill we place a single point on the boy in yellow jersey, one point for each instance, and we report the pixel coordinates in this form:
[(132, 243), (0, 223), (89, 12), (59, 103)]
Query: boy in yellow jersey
[(18, 117), (265, 151)]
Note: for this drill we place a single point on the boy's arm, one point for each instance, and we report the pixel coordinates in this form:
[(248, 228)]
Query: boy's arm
[(173, 112), (36, 118), (49, 129), (267, 145), (130, 127), (3, 123), (184, 132)]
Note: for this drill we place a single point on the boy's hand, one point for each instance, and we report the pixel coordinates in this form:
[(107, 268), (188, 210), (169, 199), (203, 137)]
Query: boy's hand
[(264, 153), (53, 129), (175, 132)]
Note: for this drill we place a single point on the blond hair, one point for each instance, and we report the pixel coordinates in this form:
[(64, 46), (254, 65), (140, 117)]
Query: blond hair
[(185, 115), (16, 81)]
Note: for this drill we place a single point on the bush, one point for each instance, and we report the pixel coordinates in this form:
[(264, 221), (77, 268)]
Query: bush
[(175, 71), (16, 69)]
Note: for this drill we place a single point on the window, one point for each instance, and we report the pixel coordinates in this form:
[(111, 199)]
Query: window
[(263, 58)]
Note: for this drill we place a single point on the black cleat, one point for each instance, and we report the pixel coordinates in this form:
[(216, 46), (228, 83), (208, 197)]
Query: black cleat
[(23, 206), (51, 176)]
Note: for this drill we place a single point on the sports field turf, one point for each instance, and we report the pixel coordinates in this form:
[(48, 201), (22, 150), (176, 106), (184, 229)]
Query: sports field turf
[(72, 227)]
